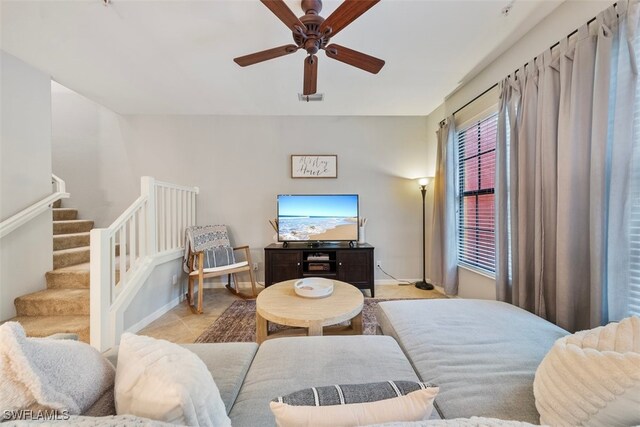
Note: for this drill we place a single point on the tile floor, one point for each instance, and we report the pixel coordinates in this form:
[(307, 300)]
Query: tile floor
[(180, 325)]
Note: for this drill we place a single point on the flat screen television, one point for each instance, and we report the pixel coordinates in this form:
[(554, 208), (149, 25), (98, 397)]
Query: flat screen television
[(317, 218)]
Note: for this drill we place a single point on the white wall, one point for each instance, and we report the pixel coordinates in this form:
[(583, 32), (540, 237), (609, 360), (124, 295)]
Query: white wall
[(241, 163), (90, 154), (561, 22), (156, 297), (25, 178), (475, 285)]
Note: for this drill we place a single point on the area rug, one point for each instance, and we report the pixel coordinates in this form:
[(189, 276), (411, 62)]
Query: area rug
[(238, 322)]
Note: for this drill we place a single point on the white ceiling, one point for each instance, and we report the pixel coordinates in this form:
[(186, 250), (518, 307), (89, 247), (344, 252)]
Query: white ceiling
[(176, 57)]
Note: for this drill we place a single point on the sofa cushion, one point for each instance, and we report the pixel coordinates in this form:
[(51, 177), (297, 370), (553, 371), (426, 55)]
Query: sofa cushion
[(482, 354), (282, 366), (227, 362)]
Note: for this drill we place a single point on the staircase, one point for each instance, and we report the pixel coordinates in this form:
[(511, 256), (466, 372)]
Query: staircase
[(64, 305)]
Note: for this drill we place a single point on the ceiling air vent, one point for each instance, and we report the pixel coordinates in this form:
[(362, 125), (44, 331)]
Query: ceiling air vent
[(310, 98)]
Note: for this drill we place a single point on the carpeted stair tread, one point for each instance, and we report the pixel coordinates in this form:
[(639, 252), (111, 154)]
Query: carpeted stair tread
[(69, 277), (43, 326), (64, 214), (72, 256), (85, 266), (72, 240), (54, 302), (57, 204), (72, 226), (78, 269)]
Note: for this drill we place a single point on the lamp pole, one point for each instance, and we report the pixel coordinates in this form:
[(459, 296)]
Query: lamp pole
[(423, 284)]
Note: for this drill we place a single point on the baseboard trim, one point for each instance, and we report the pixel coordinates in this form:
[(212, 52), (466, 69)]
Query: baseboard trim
[(138, 326), (380, 282), (209, 284), (385, 282)]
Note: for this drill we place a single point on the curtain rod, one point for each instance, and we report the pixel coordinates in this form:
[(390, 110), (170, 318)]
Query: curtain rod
[(574, 32)]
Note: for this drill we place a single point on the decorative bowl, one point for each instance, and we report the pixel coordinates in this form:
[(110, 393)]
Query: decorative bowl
[(313, 287)]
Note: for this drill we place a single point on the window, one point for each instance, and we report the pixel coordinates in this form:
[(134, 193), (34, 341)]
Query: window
[(634, 238), (476, 171), (633, 297)]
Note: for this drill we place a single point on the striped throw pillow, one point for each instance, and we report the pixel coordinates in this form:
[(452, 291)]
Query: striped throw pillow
[(355, 404), (351, 393), (217, 257)]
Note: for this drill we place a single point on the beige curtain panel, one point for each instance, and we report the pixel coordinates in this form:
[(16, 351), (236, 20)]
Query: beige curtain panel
[(562, 186), (444, 253)]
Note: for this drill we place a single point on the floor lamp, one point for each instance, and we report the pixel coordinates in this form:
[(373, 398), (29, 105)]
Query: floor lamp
[(423, 284)]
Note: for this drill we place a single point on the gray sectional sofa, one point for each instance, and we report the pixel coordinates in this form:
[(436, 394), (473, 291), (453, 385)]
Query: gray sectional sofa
[(482, 354), (249, 377)]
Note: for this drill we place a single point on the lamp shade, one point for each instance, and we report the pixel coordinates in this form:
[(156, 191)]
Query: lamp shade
[(423, 181)]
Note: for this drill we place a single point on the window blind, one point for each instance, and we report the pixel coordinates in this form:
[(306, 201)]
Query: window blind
[(476, 172), (633, 306), (634, 238)]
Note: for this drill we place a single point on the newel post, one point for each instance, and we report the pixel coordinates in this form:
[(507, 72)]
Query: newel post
[(100, 288), (148, 189)]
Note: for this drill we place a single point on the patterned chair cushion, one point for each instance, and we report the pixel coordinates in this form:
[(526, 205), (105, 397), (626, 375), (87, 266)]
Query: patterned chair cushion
[(217, 257), (208, 236), (213, 240)]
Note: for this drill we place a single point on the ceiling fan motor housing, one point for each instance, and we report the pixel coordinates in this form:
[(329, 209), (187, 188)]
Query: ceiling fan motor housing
[(312, 41)]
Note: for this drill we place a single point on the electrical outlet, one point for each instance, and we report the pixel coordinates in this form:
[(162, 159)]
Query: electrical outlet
[(379, 264), (175, 279), (255, 266)]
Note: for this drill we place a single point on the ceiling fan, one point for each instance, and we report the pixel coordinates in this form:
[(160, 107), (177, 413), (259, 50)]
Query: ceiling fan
[(312, 32)]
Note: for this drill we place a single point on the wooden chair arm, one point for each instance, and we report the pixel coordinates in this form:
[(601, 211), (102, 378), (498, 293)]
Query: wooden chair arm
[(192, 257), (247, 253)]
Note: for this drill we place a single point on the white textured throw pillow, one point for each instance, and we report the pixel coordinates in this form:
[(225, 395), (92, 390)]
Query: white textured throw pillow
[(42, 373), (592, 378), (163, 381)]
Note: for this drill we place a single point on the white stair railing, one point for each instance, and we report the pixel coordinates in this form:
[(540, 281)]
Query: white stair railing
[(123, 255), (41, 206)]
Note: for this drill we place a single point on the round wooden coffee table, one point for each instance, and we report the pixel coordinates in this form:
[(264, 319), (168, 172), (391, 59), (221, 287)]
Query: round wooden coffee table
[(280, 304)]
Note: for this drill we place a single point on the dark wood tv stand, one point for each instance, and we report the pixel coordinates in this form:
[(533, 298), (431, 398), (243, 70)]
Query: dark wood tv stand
[(351, 264)]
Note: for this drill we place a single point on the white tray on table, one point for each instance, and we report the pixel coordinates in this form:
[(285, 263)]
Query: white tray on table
[(313, 287)]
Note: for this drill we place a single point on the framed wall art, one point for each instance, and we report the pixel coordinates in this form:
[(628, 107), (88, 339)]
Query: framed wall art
[(314, 166)]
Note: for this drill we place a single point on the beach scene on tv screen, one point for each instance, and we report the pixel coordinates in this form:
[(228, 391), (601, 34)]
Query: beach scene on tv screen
[(318, 217)]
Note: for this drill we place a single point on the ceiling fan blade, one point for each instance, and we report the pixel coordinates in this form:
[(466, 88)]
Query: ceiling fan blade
[(265, 55), (310, 75), (354, 58), (282, 11), (345, 14)]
